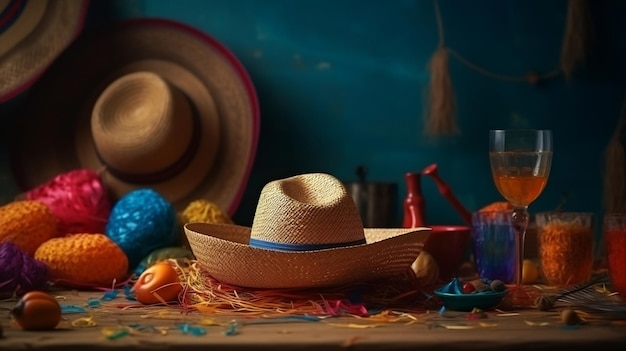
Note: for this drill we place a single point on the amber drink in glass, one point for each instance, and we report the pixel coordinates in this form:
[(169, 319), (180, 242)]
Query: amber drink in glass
[(520, 165)]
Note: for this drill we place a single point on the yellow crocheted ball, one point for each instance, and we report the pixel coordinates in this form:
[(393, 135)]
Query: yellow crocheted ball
[(201, 211), (86, 259), (27, 224)]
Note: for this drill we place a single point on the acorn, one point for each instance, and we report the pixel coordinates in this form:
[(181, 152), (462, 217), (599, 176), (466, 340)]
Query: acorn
[(570, 317), (497, 285), (37, 310), (545, 303)]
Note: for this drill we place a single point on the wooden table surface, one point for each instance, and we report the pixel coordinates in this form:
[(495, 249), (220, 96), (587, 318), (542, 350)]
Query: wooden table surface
[(108, 325)]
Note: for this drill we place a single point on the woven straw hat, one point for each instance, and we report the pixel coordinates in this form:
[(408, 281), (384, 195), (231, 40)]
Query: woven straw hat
[(32, 34), (148, 103), (306, 233)]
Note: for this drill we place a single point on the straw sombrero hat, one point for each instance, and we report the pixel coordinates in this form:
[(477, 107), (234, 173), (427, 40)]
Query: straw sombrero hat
[(306, 232), (148, 103), (32, 34)]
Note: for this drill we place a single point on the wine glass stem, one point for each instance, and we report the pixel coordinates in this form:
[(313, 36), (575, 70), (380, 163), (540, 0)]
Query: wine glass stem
[(519, 220)]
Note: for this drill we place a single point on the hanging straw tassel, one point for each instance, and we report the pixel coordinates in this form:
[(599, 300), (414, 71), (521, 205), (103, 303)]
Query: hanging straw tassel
[(615, 168), (441, 105), (577, 37), (441, 117)]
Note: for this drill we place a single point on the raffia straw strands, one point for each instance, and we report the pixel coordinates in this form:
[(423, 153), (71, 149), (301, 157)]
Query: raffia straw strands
[(205, 294), (514, 300), (615, 168), (577, 37)]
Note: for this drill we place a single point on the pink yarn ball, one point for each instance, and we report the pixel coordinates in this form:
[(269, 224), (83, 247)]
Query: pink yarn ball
[(78, 199)]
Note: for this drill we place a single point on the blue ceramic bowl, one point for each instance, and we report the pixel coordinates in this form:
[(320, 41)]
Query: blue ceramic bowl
[(467, 302)]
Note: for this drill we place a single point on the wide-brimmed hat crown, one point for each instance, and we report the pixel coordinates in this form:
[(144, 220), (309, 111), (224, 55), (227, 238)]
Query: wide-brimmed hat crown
[(306, 232), (143, 129), (309, 212)]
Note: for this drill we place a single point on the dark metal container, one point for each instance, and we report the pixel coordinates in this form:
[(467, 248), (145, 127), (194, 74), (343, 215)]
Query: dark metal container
[(377, 202)]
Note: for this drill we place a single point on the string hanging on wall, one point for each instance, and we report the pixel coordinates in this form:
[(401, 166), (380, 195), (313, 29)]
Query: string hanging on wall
[(441, 114)]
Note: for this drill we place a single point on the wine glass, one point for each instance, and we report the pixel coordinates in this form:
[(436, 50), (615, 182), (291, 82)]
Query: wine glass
[(520, 164)]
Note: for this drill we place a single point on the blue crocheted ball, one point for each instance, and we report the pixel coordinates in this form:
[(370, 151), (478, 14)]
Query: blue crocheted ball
[(140, 222)]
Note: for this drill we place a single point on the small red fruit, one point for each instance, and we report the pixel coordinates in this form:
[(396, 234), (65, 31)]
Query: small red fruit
[(468, 288)]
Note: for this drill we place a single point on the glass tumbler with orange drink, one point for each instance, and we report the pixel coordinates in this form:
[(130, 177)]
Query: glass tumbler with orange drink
[(614, 233), (565, 246)]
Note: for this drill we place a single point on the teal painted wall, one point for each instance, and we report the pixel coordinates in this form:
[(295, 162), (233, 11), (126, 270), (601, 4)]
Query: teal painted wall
[(341, 83)]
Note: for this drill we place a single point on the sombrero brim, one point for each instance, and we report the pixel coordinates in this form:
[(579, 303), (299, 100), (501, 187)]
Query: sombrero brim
[(53, 136), (223, 251), (24, 63)]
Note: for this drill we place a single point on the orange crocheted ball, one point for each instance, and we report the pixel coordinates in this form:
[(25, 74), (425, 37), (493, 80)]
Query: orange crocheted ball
[(84, 259), (27, 224)]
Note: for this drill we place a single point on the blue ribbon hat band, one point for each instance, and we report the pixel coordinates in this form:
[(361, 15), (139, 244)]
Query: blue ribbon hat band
[(268, 245)]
